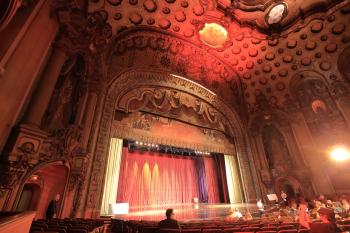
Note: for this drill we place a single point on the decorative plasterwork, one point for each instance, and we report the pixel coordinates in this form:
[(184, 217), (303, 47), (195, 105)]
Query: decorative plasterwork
[(174, 104), (159, 80), (257, 13), (155, 129), (35, 148), (171, 53), (265, 64)]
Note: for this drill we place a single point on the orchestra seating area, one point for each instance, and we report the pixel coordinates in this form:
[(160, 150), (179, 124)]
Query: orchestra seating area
[(220, 226), (68, 226)]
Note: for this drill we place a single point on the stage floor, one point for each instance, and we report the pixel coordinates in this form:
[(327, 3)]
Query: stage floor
[(187, 212)]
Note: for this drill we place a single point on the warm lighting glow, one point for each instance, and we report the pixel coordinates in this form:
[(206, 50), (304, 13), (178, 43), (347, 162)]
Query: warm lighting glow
[(340, 153), (34, 177), (213, 35)]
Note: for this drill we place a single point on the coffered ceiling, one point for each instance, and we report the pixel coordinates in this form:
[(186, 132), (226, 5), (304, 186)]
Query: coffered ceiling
[(267, 43)]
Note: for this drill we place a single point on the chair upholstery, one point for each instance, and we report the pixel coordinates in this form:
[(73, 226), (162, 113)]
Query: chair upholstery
[(266, 232), (164, 230), (191, 230), (232, 229), (269, 228), (288, 231), (213, 230), (286, 227)]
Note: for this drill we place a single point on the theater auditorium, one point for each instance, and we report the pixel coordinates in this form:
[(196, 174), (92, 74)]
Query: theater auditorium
[(170, 116)]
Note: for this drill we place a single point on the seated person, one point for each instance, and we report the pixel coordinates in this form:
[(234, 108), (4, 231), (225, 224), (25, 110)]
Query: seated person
[(169, 222), (327, 217)]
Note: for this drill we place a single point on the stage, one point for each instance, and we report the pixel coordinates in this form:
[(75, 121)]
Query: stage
[(187, 212)]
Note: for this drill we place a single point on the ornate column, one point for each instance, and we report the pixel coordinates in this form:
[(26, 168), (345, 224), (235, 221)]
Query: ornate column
[(45, 88), (340, 91), (312, 157), (87, 119), (264, 176)]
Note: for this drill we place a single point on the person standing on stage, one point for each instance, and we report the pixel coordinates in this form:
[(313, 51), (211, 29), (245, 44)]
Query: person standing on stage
[(169, 222), (52, 209)]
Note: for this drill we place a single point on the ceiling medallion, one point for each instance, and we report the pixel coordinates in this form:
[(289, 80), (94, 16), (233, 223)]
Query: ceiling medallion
[(276, 14), (213, 35)]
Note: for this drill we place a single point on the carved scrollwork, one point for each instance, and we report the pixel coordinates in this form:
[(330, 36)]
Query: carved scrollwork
[(177, 56), (81, 34), (65, 142), (173, 103), (35, 149), (246, 12)]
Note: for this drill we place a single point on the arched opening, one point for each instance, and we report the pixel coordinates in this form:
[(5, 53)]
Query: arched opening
[(41, 187), (29, 198), (137, 98), (288, 185), (321, 112), (276, 150)]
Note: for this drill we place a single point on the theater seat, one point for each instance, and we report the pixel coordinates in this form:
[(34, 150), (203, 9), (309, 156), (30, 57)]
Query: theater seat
[(78, 231), (303, 231), (60, 230), (191, 230), (150, 229), (38, 229), (288, 231), (253, 229), (212, 230), (269, 228), (266, 232), (169, 230), (245, 232), (286, 227), (231, 230)]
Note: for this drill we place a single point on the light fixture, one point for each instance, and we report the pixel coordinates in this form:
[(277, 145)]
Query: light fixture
[(34, 177), (213, 35), (340, 153), (276, 13)]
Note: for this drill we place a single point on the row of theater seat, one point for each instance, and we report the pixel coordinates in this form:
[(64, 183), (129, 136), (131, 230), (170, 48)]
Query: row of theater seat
[(67, 226), (223, 227), (215, 227)]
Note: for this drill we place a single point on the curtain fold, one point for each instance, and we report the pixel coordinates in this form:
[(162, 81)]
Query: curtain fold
[(233, 179), (152, 178), (212, 180), (222, 181), (112, 174), (202, 180)]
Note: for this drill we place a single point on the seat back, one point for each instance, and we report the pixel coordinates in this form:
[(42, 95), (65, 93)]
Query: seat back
[(191, 230), (232, 229), (165, 230)]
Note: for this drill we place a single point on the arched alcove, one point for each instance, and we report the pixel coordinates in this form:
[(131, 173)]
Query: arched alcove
[(41, 185), (343, 64), (276, 150), (319, 107), (29, 198)]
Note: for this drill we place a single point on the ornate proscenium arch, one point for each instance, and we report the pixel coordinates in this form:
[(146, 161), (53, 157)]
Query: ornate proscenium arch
[(132, 79)]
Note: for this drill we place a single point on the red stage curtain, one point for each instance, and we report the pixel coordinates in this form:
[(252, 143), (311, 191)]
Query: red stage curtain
[(212, 180), (155, 179)]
